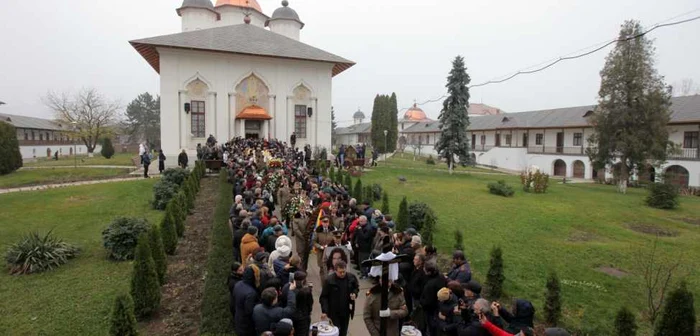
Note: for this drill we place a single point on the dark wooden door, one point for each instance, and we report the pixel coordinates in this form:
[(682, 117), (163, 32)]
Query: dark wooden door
[(560, 142)]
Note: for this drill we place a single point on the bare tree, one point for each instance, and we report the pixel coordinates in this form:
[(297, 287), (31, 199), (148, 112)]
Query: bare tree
[(658, 272), (685, 88), (87, 113)]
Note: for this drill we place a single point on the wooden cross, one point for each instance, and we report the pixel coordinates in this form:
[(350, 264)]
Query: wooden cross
[(385, 284)]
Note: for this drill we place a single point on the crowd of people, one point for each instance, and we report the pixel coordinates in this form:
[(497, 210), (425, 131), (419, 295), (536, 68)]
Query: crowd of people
[(284, 214)]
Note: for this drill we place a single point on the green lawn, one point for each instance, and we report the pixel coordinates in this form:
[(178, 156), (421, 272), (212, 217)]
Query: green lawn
[(31, 177), (406, 161), (76, 298), (573, 229), (119, 159)]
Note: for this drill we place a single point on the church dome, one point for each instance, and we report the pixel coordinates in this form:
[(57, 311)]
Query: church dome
[(197, 4), (285, 13), (358, 115), (415, 114), (240, 3)]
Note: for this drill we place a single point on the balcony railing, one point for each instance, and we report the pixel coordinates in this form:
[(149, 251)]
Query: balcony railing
[(557, 150), (44, 142), (686, 154), (482, 148)]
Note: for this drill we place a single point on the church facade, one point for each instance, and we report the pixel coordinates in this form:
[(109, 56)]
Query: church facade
[(235, 72)]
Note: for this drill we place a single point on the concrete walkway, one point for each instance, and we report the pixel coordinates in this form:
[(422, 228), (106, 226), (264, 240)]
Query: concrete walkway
[(86, 166), (71, 184)]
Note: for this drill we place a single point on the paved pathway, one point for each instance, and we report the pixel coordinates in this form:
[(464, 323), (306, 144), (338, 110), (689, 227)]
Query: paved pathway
[(71, 184), (84, 166)]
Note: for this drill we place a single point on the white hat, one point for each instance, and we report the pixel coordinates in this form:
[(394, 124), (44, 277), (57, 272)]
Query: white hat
[(284, 250)]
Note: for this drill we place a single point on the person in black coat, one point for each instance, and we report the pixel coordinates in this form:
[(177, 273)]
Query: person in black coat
[(305, 303), (267, 312), (363, 239), (338, 294), (246, 296), (233, 278), (146, 160), (161, 161), (428, 300), (183, 159)]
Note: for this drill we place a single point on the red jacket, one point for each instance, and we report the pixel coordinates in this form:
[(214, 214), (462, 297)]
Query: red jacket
[(494, 330)]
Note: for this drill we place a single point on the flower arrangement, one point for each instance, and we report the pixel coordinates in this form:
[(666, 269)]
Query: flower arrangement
[(273, 182), (298, 204), (275, 163)]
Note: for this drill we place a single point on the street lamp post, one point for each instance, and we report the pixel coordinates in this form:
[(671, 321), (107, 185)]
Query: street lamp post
[(385, 148)]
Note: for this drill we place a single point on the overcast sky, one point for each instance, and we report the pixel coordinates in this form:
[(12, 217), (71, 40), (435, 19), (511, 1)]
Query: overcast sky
[(399, 46)]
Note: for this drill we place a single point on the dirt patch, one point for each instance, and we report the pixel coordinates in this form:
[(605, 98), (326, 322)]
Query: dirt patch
[(691, 221), (652, 229), (180, 306), (618, 273), (581, 236)]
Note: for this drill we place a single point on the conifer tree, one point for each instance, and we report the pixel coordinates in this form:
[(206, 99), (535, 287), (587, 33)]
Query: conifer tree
[(339, 176), (402, 220), (459, 240), (429, 226), (10, 156), (453, 142), (625, 324), (393, 136), (348, 182), (678, 317), (107, 150), (633, 108), (385, 202), (552, 304), (358, 191), (158, 253), (331, 174), (145, 288), (123, 321), (495, 277), (168, 233), (368, 195)]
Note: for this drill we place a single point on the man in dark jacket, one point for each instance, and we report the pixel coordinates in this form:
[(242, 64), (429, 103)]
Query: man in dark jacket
[(428, 300), (364, 236), (246, 296), (146, 159), (238, 236), (233, 278), (460, 269), (268, 312), (305, 303), (183, 159), (522, 316), (339, 292), (406, 269)]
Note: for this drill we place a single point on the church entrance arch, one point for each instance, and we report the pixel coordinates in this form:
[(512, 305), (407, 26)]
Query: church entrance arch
[(252, 119), (559, 168)]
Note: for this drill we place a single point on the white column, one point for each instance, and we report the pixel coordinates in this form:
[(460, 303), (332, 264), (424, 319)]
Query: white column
[(230, 130), (273, 113), (316, 113), (242, 127), (265, 129), (184, 124), (215, 131)]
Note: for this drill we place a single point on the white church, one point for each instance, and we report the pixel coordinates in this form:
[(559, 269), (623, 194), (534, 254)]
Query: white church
[(233, 71)]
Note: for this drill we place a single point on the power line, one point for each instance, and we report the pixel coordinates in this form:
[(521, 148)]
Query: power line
[(566, 58)]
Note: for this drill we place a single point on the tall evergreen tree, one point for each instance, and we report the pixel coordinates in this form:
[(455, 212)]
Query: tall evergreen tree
[(625, 324), (495, 277), (381, 121), (358, 192), (393, 137), (348, 182), (633, 108), (143, 119), (145, 288), (552, 303), (169, 233), (334, 125), (678, 317), (453, 142), (10, 156), (385, 203), (123, 321), (158, 253), (402, 219), (107, 148)]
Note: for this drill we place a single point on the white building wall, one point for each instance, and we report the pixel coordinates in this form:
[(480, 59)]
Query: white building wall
[(222, 73), (288, 28), (32, 152), (233, 15), (197, 18)]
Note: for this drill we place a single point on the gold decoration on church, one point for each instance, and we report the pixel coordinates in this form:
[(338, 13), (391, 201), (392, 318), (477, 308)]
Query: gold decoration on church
[(252, 91)]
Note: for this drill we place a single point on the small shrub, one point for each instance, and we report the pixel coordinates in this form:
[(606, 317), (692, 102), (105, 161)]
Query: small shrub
[(662, 196), (339, 176), (430, 160), (357, 192), (348, 182), (123, 321), (10, 156), (368, 195), (501, 188), (625, 324), (35, 253), (145, 288), (163, 191), (175, 175), (168, 233), (180, 204), (429, 226), (331, 174), (459, 240), (107, 150), (678, 317), (402, 219), (158, 253), (417, 211), (178, 219), (385, 203), (536, 182), (121, 236), (377, 192), (495, 277), (552, 304)]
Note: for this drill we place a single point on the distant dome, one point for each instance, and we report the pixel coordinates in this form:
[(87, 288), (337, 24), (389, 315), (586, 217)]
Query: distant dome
[(197, 3), (240, 3), (358, 115), (415, 113), (285, 13)]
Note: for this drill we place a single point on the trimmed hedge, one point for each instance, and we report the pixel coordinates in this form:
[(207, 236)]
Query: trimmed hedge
[(123, 321), (145, 288), (501, 188), (10, 157), (169, 233), (158, 252), (216, 317), (662, 196)]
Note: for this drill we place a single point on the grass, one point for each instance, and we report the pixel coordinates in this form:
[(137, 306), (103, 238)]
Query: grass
[(543, 233), (406, 162), (216, 316), (119, 159), (32, 177), (76, 298)]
